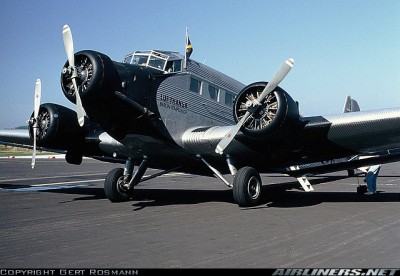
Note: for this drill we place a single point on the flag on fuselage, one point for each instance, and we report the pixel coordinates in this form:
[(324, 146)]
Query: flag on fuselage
[(189, 47)]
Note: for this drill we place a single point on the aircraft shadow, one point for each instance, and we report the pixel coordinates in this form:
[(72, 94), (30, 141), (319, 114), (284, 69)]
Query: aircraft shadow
[(280, 195)]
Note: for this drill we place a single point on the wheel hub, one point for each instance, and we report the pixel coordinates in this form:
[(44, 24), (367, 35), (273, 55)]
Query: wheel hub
[(253, 188)]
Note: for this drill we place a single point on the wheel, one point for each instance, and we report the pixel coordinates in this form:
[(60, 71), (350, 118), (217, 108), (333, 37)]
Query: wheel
[(362, 189), (247, 187), (73, 158), (112, 186), (350, 173)]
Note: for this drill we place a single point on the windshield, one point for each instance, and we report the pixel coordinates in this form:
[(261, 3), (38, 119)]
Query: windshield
[(163, 61)]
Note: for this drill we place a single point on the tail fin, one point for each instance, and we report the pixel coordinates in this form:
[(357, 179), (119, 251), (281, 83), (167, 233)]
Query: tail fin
[(350, 105)]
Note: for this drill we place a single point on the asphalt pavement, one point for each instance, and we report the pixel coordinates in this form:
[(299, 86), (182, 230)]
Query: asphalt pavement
[(56, 216)]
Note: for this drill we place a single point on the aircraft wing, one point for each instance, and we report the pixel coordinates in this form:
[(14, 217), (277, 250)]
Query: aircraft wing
[(96, 144), (16, 137), (317, 144)]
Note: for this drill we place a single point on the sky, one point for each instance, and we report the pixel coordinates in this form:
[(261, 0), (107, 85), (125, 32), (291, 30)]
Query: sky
[(340, 48)]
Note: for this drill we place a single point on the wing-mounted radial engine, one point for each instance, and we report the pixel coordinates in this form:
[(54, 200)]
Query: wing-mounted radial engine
[(55, 126), (252, 104), (275, 112)]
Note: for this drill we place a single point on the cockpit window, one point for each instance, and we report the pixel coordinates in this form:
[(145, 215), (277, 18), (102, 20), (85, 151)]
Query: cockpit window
[(139, 60), (157, 62), (167, 62)]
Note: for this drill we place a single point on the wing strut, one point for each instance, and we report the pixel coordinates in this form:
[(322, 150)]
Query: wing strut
[(215, 171)]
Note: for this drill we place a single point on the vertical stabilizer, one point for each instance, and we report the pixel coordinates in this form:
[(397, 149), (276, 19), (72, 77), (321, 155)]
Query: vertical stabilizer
[(350, 105)]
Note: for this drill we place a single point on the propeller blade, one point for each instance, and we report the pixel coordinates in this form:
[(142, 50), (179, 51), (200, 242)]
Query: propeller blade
[(69, 49), (38, 92), (69, 45), (34, 149), (79, 107), (231, 134), (276, 79)]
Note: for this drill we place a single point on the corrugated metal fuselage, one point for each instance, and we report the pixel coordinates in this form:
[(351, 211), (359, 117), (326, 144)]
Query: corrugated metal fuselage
[(192, 122), (176, 109)]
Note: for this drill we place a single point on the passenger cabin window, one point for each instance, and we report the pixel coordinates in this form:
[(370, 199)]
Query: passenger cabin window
[(195, 85), (214, 93), (229, 99)]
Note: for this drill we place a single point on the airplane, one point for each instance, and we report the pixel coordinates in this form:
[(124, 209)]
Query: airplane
[(163, 110)]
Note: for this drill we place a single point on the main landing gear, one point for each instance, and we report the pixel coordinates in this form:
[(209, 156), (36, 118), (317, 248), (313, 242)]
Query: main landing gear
[(119, 183), (115, 186), (247, 185)]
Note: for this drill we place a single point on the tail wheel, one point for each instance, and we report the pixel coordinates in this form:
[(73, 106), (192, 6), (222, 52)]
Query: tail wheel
[(113, 186), (247, 187)]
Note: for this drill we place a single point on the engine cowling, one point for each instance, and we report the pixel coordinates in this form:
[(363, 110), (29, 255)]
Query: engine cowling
[(277, 111), (58, 128), (97, 77), (113, 94)]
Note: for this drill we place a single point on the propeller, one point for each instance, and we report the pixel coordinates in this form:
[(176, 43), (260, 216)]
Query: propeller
[(69, 49), (38, 92), (254, 104)]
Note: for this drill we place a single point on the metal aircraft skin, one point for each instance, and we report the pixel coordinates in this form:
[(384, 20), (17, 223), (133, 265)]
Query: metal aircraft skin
[(161, 110)]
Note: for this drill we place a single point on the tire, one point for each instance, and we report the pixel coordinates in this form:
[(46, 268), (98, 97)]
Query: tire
[(112, 189), (362, 189), (247, 187), (350, 173)]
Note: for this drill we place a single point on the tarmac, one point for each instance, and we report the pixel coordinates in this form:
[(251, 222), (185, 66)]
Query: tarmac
[(56, 216)]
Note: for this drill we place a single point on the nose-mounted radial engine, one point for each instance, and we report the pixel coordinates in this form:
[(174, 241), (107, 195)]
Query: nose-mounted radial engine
[(95, 77), (110, 93)]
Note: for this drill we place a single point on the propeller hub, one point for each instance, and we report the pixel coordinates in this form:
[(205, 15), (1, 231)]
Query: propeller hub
[(248, 104), (82, 73)]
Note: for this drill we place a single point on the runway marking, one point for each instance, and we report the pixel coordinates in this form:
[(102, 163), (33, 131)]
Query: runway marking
[(174, 174), (66, 183), (53, 186), (49, 177), (3, 179), (38, 189), (62, 185)]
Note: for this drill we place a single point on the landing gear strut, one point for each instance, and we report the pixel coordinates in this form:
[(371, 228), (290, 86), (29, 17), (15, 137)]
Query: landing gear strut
[(246, 185)]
